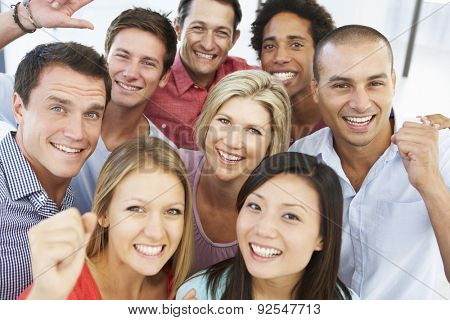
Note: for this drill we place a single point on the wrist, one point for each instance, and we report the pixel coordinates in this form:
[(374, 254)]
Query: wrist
[(27, 5), (20, 17), (433, 187), (39, 292), (23, 17)]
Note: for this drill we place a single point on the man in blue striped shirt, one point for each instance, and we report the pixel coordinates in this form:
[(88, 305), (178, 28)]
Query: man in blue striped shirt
[(60, 93)]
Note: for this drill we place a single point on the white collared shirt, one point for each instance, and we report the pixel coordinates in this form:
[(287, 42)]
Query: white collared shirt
[(389, 250)]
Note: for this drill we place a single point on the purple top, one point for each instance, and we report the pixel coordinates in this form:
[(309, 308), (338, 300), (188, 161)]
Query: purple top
[(206, 252)]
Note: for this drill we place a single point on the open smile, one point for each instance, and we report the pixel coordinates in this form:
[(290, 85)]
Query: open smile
[(128, 87), (204, 55), (229, 158), (149, 251), (264, 251), (359, 123), (285, 76), (359, 120), (66, 149)]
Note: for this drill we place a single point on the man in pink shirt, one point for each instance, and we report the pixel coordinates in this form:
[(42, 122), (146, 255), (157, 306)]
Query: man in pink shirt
[(207, 30)]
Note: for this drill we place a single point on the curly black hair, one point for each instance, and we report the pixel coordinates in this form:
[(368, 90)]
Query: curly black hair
[(321, 21)]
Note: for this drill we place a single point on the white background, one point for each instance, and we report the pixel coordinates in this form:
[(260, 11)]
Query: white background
[(425, 91)]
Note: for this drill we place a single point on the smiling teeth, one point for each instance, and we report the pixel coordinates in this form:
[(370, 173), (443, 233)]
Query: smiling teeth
[(66, 149), (204, 55), (284, 75), (148, 250), (265, 252), (358, 121), (127, 87), (229, 157)]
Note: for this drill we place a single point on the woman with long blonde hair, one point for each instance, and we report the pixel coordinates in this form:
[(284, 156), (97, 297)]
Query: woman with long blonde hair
[(246, 117), (140, 232)]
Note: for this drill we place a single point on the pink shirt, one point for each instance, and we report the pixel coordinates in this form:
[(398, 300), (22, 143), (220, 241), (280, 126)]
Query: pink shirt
[(175, 108), (206, 252)]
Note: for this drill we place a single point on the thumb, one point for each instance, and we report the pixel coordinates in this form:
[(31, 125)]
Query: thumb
[(89, 222), (190, 295), (393, 139), (78, 23)]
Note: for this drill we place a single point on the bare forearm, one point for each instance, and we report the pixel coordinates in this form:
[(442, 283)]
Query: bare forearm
[(437, 200), (10, 31)]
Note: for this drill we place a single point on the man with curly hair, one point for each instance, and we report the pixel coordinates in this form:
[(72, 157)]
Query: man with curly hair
[(285, 34)]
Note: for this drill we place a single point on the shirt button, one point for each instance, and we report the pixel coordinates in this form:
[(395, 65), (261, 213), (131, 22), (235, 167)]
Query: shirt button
[(41, 197), (195, 86), (164, 126)]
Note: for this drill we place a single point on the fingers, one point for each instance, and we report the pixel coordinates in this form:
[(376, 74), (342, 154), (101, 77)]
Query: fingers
[(410, 151), (436, 119), (418, 147), (57, 251), (417, 142), (76, 5), (56, 254), (55, 4), (417, 133), (190, 295), (58, 14), (89, 222), (424, 119), (64, 225), (56, 239), (78, 23)]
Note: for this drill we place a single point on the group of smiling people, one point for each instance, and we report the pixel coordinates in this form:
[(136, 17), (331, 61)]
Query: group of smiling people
[(241, 217), (150, 227)]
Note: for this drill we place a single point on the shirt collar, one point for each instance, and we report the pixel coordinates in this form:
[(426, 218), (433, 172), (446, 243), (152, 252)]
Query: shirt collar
[(182, 78), (393, 149), (22, 181), (326, 149), (328, 153)]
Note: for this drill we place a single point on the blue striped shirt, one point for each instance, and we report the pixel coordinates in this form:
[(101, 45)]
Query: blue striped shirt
[(23, 204)]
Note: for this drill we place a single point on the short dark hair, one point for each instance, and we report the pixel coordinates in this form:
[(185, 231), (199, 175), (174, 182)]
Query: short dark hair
[(185, 6), (149, 21), (321, 20), (351, 34), (320, 279), (78, 57)]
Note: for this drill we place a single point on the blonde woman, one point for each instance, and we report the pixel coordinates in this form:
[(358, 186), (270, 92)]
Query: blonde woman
[(246, 117), (289, 232), (141, 243)]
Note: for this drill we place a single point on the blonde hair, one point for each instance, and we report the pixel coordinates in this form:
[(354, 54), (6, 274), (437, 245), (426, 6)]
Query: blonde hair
[(259, 86), (129, 157)]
